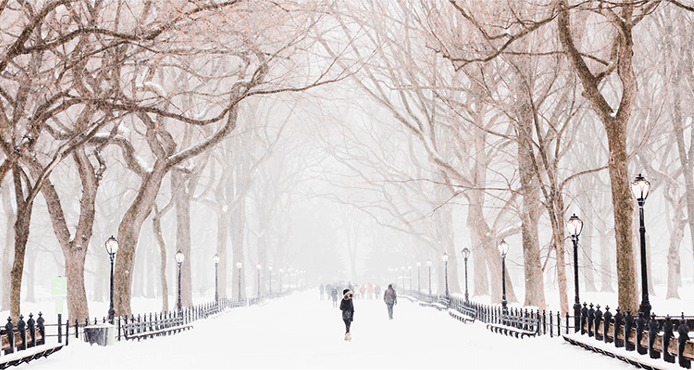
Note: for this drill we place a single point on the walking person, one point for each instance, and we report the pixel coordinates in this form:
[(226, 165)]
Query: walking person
[(333, 294), (362, 292), (347, 308), (371, 291), (391, 299), (322, 289)]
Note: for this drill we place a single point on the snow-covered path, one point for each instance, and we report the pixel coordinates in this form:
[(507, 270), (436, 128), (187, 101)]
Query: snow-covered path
[(301, 331)]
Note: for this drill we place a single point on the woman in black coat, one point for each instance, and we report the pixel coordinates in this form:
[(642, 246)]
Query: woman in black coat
[(347, 308)]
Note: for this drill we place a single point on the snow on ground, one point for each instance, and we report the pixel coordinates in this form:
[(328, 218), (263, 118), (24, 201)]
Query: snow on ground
[(301, 331)]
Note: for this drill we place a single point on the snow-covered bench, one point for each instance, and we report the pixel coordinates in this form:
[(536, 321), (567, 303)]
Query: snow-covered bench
[(25, 343), (138, 329), (517, 326)]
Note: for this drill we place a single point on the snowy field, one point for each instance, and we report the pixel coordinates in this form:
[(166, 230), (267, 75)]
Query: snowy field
[(301, 331)]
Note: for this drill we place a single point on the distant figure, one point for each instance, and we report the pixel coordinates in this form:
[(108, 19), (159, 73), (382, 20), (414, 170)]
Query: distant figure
[(370, 289), (391, 299), (362, 292), (347, 308), (333, 294), (377, 290), (322, 290)]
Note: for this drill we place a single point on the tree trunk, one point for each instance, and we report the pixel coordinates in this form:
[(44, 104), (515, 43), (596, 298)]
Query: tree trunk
[(21, 231), (530, 212), (222, 237), (181, 196), (480, 230), (615, 125), (156, 227), (237, 225), (77, 303), (128, 237), (8, 250), (673, 255)]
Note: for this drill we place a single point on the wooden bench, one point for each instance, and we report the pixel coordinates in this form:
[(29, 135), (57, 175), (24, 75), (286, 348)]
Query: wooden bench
[(657, 343), (517, 326), (144, 330), (463, 314), (16, 354)]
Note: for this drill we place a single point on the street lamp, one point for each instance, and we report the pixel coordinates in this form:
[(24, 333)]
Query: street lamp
[(466, 254), (429, 265), (409, 268), (216, 278), (111, 248), (503, 249), (575, 226), (258, 267), (270, 269), (445, 264), (179, 260), (419, 288), (238, 266), (281, 272), (641, 187)]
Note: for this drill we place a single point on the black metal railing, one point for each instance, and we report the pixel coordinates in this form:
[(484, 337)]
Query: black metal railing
[(655, 336)]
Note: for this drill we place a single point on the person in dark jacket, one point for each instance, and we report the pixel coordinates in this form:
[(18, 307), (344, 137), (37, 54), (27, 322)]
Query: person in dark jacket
[(347, 308), (391, 299)]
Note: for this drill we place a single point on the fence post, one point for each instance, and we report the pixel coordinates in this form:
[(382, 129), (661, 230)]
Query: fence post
[(567, 322), (42, 329), (640, 327), (60, 328), (119, 328), (67, 331), (21, 328), (653, 330), (606, 325), (618, 321), (551, 326), (628, 325), (683, 331), (598, 323), (584, 318), (667, 335), (9, 329), (544, 323), (591, 319), (77, 329), (32, 330)]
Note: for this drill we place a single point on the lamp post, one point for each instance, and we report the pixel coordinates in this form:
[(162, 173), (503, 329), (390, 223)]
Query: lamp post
[(258, 267), (179, 260), (466, 254), (503, 249), (111, 248), (419, 287), (641, 187), (409, 268), (216, 278), (575, 226), (238, 267), (445, 264), (429, 265), (270, 269)]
